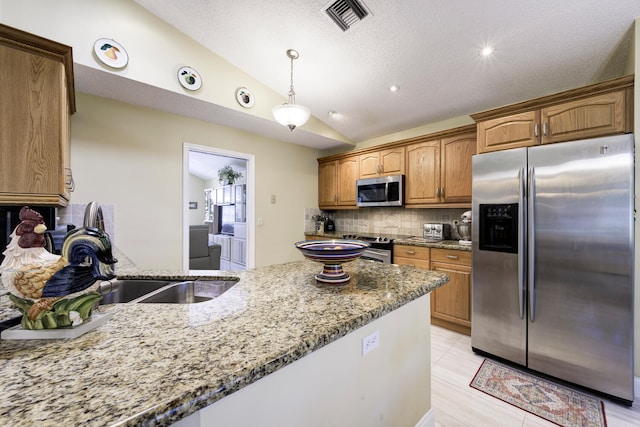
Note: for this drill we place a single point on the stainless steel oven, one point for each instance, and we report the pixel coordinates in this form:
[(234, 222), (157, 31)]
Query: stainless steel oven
[(379, 255), (381, 249)]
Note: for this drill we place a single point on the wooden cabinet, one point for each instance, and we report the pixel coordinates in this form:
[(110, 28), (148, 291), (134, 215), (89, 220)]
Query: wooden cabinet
[(514, 131), (36, 83), (451, 303), (416, 256), (439, 171), (383, 162), (586, 118), (337, 183), (422, 182), (601, 109)]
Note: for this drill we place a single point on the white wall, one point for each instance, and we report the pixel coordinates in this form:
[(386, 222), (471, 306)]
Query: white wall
[(196, 194), (156, 51), (337, 386), (131, 157)]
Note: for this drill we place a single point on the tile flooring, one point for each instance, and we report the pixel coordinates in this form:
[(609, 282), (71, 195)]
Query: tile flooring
[(453, 365)]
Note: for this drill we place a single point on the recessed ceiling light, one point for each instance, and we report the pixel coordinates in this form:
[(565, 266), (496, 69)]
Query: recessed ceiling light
[(332, 113), (486, 51), (394, 88)]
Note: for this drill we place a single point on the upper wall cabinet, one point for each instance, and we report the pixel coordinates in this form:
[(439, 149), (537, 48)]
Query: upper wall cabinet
[(439, 171), (382, 163), (337, 182), (36, 83), (597, 110)]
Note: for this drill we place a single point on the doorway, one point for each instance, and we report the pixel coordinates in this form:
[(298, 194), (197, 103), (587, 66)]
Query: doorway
[(201, 209)]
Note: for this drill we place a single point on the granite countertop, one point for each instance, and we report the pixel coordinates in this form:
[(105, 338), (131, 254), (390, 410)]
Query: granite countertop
[(154, 364), (402, 240)]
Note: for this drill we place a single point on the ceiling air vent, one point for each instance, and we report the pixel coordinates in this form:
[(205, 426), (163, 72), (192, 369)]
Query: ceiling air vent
[(346, 13)]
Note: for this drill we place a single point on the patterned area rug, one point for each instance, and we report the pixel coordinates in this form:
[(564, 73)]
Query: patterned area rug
[(555, 403)]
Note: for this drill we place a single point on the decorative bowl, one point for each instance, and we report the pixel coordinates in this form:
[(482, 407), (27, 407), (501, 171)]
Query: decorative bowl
[(332, 253)]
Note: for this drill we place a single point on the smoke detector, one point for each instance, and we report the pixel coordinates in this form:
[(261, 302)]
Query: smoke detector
[(346, 13)]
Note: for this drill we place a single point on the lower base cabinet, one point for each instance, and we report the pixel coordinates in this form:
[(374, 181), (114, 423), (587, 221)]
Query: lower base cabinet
[(450, 303), (225, 252)]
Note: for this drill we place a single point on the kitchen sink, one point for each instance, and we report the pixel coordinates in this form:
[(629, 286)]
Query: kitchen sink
[(162, 291), (188, 292), (123, 291)]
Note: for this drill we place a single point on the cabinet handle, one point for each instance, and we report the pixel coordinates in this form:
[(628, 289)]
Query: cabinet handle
[(536, 130), (544, 128), (442, 192), (410, 252), (452, 256)]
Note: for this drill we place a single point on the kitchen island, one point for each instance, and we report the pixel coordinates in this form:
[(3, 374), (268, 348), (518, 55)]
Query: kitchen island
[(275, 335)]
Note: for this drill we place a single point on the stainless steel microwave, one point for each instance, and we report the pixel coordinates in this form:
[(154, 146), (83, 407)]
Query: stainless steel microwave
[(380, 191)]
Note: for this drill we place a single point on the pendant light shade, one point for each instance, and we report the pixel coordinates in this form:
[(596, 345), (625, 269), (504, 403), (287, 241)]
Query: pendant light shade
[(290, 114)]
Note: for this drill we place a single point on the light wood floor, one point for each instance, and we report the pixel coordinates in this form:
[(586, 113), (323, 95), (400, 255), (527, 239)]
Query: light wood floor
[(453, 365)]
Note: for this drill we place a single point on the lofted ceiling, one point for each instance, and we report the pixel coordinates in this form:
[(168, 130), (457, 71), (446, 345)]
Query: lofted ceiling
[(429, 48)]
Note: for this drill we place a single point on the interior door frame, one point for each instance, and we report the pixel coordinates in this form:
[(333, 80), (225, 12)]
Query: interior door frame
[(250, 179)]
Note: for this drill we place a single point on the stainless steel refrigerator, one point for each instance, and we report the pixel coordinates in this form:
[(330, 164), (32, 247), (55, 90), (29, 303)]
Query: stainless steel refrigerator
[(553, 260)]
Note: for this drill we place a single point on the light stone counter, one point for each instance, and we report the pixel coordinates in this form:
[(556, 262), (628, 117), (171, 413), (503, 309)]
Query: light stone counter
[(154, 364)]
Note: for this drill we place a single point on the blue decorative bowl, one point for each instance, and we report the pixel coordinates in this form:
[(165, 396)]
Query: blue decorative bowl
[(332, 253)]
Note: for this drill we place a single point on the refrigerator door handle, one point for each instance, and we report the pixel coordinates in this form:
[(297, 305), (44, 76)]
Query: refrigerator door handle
[(531, 244), (522, 176)]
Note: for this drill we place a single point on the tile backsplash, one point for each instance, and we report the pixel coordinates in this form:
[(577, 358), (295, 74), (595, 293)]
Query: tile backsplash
[(387, 220)]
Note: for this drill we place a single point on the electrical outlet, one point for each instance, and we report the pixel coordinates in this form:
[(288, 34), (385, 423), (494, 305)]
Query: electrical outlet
[(273, 199), (370, 342), (260, 222)]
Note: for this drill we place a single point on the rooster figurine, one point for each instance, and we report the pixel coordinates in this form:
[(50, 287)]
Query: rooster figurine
[(54, 291)]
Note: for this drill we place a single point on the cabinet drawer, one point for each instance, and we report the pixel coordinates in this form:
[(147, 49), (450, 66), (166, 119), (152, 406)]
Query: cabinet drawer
[(451, 256), (417, 263), (412, 252)]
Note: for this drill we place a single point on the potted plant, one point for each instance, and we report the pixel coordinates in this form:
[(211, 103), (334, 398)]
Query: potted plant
[(227, 175)]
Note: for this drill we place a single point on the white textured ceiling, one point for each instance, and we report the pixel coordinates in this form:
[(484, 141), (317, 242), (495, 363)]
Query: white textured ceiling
[(427, 47)]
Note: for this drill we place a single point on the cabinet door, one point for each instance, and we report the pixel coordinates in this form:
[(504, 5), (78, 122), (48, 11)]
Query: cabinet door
[(456, 167), (327, 183), (238, 251), (423, 173), (36, 86), (392, 161), (451, 303), (33, 152), (517, 130), (370, 165), (586, 118), (219, 196), (348, 172)]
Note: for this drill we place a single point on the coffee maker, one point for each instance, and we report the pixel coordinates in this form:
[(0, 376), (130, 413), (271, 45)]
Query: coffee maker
[(464, 229)]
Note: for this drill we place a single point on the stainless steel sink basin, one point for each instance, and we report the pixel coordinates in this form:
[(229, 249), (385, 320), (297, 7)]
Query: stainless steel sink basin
[(123, 291), (162, 291), (188, 292)]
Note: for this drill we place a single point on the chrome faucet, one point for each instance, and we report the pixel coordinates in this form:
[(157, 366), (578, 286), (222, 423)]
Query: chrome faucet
[(93, 216)]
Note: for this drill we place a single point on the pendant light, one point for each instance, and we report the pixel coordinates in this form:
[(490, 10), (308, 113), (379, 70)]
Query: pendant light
[(290, 114)]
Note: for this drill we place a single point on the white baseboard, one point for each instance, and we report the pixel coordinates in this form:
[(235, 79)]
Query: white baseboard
[(428, 420)]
